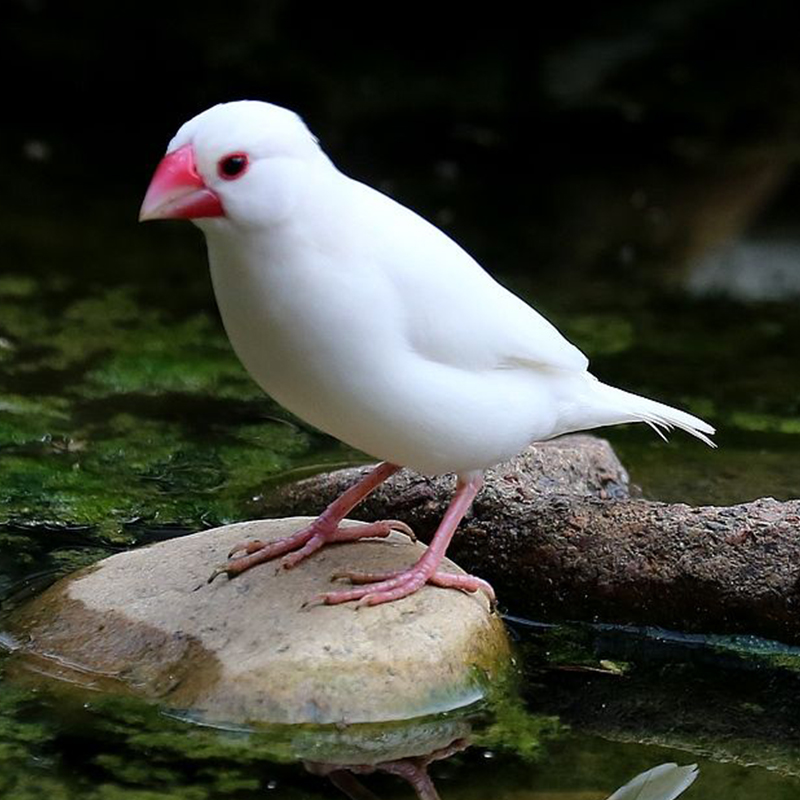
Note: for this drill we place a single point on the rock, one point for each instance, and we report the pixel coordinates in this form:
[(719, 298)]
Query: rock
[(576, 465), (707, 569), (248, 649), (357, 745), (556, 533)]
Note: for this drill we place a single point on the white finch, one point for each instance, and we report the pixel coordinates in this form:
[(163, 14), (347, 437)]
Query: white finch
[(368, 322)]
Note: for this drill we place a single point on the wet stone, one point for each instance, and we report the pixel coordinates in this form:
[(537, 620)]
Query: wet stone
[(251, 649)]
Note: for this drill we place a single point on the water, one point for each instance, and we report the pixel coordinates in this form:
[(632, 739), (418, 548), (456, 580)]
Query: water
[(586, 727), (624, 172)]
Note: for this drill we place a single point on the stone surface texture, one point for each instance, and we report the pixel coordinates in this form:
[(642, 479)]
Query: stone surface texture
[(557, 534), (251, 648)]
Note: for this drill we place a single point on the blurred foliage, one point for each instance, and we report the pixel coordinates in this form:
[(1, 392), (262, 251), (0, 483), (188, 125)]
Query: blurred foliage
[(600, 334)]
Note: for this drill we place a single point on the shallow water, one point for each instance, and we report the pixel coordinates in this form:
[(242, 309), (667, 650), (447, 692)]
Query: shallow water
[(586, 726)]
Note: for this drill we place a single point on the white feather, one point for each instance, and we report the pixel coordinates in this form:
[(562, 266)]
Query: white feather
[(370, 323), (664, 782)]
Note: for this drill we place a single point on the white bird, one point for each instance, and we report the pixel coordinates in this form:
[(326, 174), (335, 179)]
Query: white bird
[(371, 324)]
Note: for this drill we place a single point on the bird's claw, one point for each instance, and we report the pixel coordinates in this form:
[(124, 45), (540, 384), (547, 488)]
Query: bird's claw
[(401, 527), (245, 547), (380, 587), (216, 573), (313, 602)]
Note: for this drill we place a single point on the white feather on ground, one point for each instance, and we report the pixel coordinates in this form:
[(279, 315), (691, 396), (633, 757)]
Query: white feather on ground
[(664, 782)]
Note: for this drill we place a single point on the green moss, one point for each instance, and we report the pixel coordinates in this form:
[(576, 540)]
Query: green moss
[(600, 334), (513, 728), (110, 342), (761, 653), (17, 286), (746, 466), (771, 423), (44, 408), (141, 469), (567, 645), (121, 748), (23, 738), (164, 356), (115, 412), (126, 751), (70, 559), (18, 735)]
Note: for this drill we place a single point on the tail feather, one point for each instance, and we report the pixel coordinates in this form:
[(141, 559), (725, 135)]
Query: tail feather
[(613, 406)]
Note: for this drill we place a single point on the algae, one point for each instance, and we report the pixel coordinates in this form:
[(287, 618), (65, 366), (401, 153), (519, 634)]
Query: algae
[(115, 413), (600, 334), (108, 748), (512, 727)]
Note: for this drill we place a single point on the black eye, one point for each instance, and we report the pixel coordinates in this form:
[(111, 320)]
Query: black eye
[(233, 166)]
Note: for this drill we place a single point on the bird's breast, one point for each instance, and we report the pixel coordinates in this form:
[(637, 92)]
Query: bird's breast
[(328, 341), (307, 330)]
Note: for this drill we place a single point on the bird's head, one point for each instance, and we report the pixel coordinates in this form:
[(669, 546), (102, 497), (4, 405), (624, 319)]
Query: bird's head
[(240, 163)]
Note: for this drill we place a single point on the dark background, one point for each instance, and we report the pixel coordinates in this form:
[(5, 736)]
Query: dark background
[(627, 137)]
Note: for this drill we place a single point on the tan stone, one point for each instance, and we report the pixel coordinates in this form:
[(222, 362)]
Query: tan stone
[(249, 649)]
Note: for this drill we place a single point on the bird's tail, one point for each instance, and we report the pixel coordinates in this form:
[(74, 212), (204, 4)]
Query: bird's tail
[(612, 406)]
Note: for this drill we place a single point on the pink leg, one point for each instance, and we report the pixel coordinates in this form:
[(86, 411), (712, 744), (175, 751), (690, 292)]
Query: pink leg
[(344, 778), (393, 586), (447, 580), (415, 774), (413, 770), (323, 530)]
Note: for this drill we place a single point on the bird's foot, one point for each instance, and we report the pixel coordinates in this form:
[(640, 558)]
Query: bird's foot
[(375, 588), (303, 543)]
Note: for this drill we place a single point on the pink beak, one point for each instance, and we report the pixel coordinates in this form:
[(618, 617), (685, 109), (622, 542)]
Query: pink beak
[(177, 191)]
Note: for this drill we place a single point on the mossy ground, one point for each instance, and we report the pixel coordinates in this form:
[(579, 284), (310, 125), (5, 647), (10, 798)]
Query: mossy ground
[(122, 420)]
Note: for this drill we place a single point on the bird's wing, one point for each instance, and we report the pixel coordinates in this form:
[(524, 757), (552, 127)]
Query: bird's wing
[(453, 311), (473, 321)]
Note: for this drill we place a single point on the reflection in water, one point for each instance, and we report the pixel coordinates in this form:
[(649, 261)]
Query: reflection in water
[(413, 770), (664, 782)]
